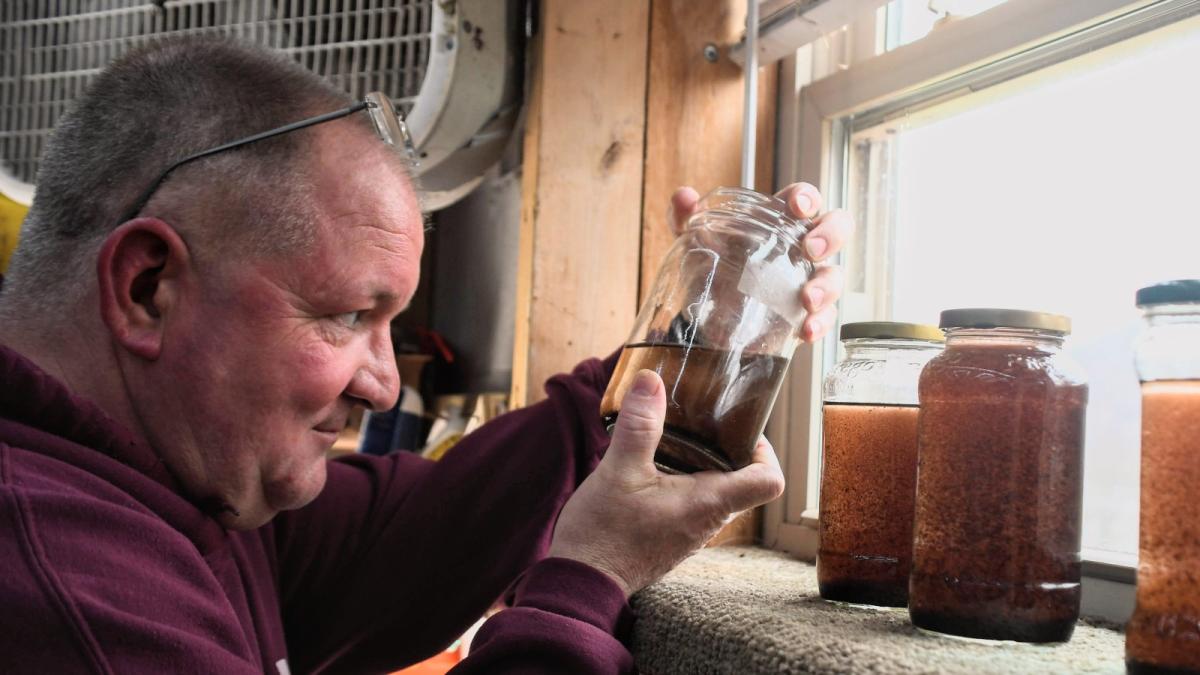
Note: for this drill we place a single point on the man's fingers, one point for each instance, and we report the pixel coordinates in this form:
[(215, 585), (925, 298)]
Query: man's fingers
[(758, 483), (640, 422), (817, 324), (828, 234), (803, 199), (764, 453), (683, 205), (822, 290)]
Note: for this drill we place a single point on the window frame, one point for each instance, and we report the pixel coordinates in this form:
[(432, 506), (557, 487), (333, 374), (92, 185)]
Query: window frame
[(816, 120)]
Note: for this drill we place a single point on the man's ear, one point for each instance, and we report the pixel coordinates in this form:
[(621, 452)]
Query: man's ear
[(139, 273)]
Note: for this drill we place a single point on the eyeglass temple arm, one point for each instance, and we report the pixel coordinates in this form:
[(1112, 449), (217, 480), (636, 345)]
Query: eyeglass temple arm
[(145, 196)]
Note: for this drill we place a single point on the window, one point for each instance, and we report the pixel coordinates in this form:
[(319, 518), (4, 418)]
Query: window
[(1081, 108), (906, 21)]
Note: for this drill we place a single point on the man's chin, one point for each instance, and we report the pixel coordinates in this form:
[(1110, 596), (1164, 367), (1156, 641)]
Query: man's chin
[(286, 494), (245, 519), (295, 491)]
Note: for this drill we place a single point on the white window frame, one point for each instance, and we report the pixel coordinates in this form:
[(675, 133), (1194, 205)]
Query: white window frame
[(816, 120)]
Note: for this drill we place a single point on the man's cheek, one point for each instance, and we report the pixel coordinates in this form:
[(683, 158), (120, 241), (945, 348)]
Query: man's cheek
[(322, 372), (315, 352)]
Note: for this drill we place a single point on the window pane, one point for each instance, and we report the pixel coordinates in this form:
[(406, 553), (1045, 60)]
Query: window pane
[(911, 20), (1062, 191)]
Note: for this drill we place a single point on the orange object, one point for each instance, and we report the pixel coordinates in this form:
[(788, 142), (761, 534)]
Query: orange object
[(437, 665)]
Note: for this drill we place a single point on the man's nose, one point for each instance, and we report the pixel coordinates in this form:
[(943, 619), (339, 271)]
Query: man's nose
[(377, 381)]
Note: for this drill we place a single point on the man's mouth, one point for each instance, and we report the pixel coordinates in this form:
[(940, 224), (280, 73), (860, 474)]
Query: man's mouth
[(329, 431), (333, 425)]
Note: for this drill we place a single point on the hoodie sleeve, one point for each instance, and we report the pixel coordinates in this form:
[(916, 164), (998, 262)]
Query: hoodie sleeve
[(566, 617)]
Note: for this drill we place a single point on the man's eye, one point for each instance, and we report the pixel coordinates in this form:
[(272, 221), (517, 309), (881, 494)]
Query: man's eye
[(348, 319)]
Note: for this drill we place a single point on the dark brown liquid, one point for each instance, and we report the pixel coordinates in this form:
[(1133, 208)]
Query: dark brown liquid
[(1164, 634), (717, 402), (999, 495), (868, 484)]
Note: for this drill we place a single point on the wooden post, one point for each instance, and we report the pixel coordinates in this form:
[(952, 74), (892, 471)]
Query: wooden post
[(624, 108), (693, 134), (694, 113), (582, 173)]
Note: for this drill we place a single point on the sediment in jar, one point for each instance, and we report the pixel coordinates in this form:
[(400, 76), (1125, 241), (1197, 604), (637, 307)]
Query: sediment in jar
[(868, 483), (999, 495), (717, 402), (1164, 633)]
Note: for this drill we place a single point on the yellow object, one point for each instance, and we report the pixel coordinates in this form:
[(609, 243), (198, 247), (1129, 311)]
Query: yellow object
[(11, 215), (436, 452)]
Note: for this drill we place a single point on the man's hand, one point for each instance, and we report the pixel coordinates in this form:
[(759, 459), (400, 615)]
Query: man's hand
[(830, 230), (635, 523)]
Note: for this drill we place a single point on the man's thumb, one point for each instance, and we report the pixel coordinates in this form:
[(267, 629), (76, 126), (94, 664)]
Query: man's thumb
[(640, 422)]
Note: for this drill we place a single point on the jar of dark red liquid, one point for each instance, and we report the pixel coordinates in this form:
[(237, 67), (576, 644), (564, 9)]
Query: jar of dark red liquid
[(1000, 480), (869, 465), (1164, 634), (719, 326)]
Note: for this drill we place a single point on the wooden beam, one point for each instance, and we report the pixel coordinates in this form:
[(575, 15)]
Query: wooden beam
[(694, 118), (583, 163), (693, 135), (523, 308)]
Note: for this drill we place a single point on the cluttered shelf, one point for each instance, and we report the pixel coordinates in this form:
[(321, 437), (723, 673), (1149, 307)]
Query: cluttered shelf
[(749, 610), (420, 422)]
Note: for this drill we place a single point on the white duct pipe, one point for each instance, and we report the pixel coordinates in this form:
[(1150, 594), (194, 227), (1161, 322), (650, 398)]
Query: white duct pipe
[(750, 105)]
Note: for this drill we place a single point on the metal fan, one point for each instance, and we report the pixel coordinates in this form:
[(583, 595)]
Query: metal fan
[(452, 65)]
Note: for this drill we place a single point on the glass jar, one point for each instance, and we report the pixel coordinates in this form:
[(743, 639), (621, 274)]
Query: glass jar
[(719, 326), (869, 466), (1164, 633), (1000, 480)]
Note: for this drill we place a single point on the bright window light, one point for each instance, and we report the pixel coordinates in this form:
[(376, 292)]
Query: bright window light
[(911, 20), (1061, 191)]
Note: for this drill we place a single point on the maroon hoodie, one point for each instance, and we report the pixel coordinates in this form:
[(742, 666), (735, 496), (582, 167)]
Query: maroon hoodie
[(105, 567)]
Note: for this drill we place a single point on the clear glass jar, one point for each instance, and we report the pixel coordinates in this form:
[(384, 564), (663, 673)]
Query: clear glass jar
[(1000, 480), (719, 326), (1164, 633), (869, 466)]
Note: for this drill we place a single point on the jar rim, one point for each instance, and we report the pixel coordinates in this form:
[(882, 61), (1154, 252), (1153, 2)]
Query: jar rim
[(767, 211), (890, 330), (1175, 292), (957, 337), (990, 317)]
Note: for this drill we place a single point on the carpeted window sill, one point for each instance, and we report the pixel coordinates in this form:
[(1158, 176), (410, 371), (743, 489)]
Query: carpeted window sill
[(748, 610)]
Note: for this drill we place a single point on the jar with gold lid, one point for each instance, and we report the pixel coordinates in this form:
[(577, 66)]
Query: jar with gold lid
[(996, 536), (869, 463)]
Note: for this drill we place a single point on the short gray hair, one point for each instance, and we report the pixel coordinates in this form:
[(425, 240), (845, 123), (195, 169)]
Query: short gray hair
[(155, 105)]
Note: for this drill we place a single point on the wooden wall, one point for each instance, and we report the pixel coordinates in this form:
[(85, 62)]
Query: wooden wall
[(577, 277), (624, 108), (694, 113)]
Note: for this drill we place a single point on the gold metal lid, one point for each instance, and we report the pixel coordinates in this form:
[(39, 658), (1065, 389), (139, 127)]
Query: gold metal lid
[(883, 330), (1005, 318)]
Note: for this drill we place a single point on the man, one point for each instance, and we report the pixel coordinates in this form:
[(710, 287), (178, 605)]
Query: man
[(179, 348)]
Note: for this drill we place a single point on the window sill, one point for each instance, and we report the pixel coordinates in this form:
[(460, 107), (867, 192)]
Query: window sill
[(746, 610)]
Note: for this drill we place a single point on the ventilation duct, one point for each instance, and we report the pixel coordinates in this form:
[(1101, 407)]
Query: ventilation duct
[(452, 65)]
